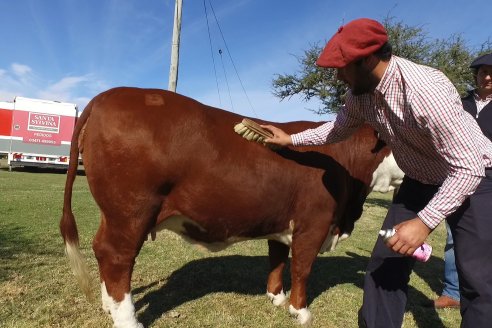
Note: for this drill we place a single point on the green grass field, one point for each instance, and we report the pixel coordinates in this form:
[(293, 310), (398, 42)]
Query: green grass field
[(175, 284)]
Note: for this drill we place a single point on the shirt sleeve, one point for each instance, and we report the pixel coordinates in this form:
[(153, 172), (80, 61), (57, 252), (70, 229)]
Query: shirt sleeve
[(452, 131), (346, 122)]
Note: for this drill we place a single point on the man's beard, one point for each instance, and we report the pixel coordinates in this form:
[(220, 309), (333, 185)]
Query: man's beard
[(366, 82)]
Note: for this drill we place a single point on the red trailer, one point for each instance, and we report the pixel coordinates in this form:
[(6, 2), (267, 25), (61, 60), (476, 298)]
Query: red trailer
[(36, 132)]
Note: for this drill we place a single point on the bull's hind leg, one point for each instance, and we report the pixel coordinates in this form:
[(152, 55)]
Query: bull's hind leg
[(278, 254), (116, 250)]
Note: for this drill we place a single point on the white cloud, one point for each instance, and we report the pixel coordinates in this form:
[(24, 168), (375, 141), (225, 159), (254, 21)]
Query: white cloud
[(18, 80), (12, 84), (75, 89), (63, 89), (20, 70)]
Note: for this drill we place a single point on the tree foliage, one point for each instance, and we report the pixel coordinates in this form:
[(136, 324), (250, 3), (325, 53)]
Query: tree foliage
[(452, 56)]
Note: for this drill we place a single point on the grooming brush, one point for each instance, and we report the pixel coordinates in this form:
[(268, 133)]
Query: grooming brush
[(252, 131)]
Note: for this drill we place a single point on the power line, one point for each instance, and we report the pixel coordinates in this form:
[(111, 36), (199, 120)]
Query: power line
[(227, 81), (230, 57), (212, 52)]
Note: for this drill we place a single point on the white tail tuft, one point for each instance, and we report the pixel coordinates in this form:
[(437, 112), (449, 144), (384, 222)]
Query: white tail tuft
[(79, 268)]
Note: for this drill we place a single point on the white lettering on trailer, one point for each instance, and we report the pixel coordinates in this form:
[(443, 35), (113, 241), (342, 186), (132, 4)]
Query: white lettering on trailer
[(46, 135), (40, 133)]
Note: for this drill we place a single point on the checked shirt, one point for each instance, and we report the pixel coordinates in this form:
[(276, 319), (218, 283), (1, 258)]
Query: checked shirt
[(418, 113)]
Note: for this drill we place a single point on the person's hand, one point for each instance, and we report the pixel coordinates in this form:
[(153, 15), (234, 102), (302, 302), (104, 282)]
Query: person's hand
[(279, 137), (409, 236)]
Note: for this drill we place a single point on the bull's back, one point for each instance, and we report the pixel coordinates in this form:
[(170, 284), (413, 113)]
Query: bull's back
[(165, 130)]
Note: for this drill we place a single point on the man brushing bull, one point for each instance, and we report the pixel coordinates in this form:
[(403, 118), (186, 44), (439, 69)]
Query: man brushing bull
[(446, 159)]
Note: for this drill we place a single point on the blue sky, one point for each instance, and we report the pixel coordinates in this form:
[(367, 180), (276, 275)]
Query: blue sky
[(70, 50)]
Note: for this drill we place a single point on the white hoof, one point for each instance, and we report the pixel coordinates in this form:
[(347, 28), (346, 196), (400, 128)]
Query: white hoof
[(279, 299), (123, 313), (106, 300), (303, 316), (344, 236)]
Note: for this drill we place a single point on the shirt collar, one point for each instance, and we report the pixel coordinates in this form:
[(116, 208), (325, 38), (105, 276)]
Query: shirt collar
[(478, 98), (388, 76)]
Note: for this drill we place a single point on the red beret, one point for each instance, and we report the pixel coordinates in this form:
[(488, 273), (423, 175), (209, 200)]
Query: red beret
[(357, 39)]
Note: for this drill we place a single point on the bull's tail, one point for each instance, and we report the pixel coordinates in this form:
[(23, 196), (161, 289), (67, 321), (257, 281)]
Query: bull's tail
[(68, 226)]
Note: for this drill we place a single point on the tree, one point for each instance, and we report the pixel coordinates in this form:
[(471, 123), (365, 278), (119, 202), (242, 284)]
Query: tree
[(452, 56), (311, 82)]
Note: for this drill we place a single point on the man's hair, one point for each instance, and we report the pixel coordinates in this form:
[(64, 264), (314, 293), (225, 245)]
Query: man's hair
[(384, 53)]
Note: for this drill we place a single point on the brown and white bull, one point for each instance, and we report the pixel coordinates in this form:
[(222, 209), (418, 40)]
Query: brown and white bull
[(388, 176), (194, 175)]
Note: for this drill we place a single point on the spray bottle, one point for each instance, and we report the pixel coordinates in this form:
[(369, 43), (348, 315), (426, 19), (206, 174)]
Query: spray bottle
[(422, 253)]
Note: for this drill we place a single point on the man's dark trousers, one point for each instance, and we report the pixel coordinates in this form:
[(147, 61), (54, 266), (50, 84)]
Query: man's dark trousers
[(388, 273)]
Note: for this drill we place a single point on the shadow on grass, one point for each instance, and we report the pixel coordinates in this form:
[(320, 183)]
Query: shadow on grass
[(380, 202), (13, 245), (29, 169), (247, 275)]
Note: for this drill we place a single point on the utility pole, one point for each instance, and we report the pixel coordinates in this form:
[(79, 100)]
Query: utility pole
[(173, 72)]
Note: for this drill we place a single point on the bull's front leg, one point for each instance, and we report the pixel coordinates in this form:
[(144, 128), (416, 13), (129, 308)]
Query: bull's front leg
[(305, 248), (278, 254)]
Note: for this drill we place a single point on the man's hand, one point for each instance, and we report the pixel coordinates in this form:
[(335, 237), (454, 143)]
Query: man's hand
[(409, 236), (279, 137)]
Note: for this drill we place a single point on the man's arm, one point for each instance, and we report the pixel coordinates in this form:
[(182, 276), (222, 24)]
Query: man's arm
[(454, 135), (346, 122)]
